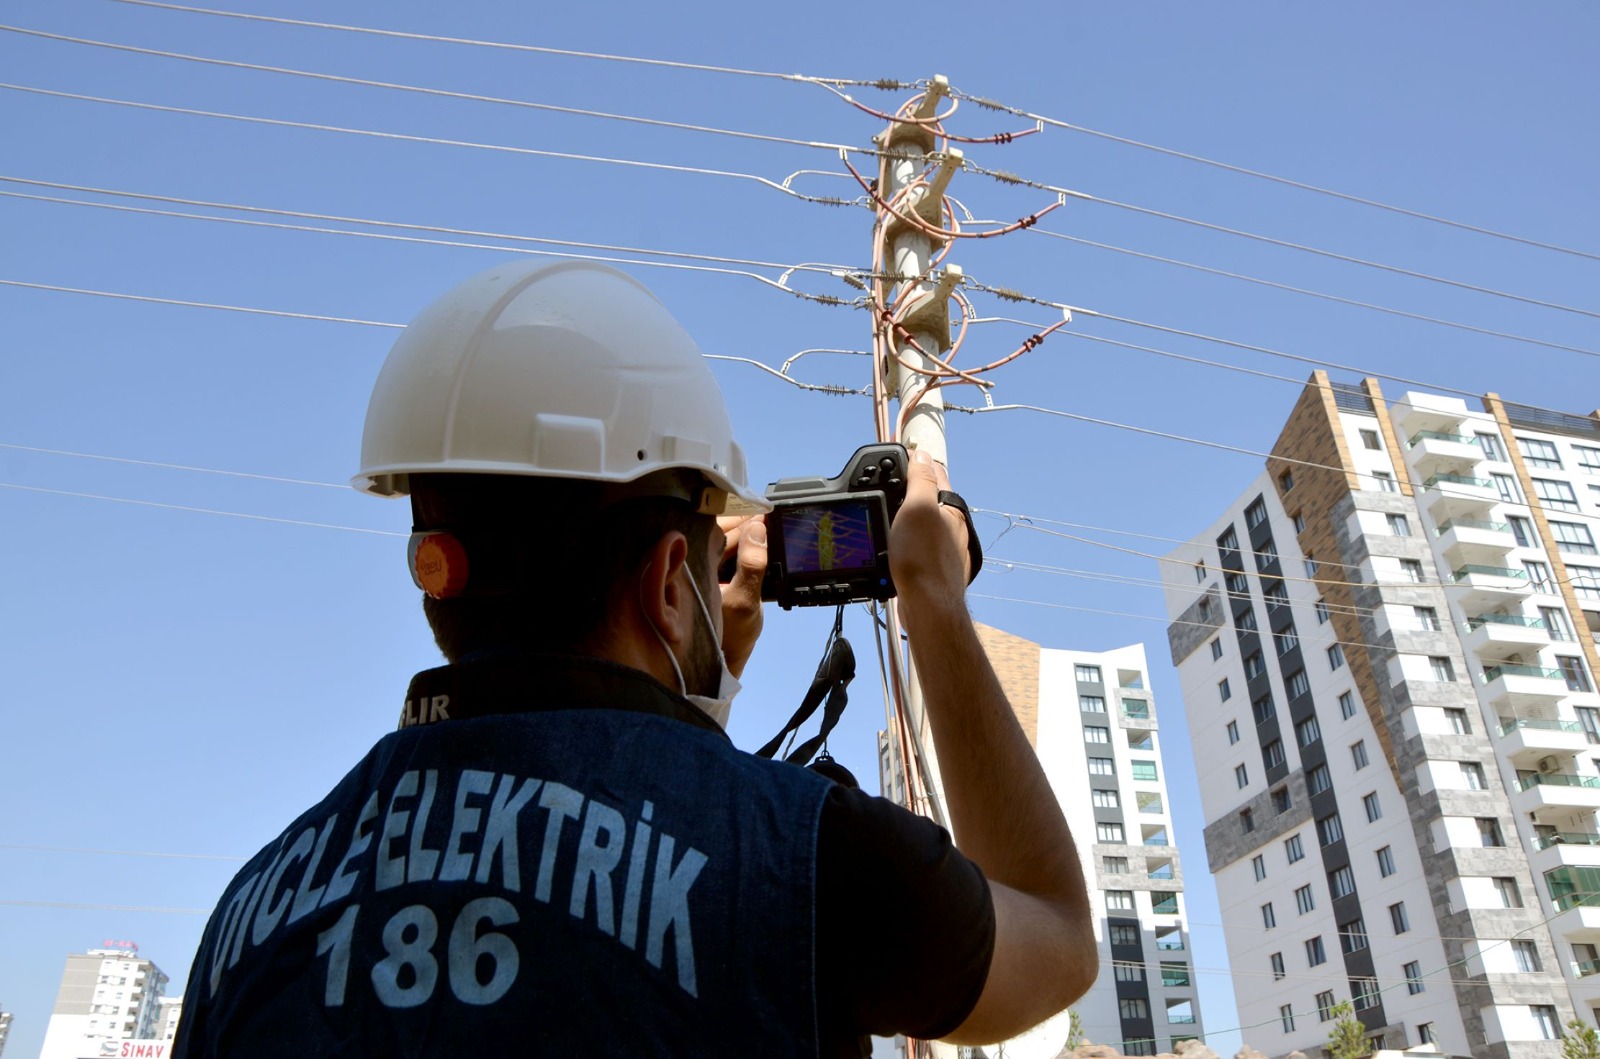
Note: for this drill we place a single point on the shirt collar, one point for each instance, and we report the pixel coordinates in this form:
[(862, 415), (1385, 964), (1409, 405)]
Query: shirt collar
[(527, 682)]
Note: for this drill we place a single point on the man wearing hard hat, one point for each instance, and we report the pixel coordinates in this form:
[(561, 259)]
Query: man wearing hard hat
[(560, 852)]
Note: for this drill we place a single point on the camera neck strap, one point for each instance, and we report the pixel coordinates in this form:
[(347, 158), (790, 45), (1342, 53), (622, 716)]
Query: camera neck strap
[(827, 690)]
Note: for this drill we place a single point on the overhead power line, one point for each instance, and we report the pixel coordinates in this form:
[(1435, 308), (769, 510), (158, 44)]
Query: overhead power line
[(439, 92), (198, 510), (886, 84)]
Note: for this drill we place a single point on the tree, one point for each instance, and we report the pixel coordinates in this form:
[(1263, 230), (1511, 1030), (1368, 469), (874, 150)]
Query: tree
[(1581, 1041), (1075, 1034), (1349, 1037)]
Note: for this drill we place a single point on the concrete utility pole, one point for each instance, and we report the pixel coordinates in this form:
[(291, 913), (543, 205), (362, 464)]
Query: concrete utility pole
[(907, 255)]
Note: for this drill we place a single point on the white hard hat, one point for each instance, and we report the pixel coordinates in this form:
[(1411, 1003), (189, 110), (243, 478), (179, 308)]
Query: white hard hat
[(572, 370)]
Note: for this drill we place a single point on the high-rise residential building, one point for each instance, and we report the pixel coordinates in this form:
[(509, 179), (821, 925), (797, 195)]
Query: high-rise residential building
[(1387, 652), (170, 1010), (5, 1029), (107, 994), (1091, 719)]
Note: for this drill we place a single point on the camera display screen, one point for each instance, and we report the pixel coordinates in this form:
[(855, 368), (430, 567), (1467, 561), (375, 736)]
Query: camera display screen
[(827, 537)]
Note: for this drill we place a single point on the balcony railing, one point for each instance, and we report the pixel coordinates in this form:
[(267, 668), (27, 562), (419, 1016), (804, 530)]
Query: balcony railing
[(1566, 838), (1584, 968), (1437, 435), (1557, 779), (1458, 479), (1541, 725), (1181, 1019), (1510, 670), (1171, 979), (1461, 573), (1504, 619), (1473, 523), (1174, 945), (1164, 872)]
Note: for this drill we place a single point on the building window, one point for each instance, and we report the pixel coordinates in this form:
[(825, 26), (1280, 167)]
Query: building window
[(1108, 832), (1489, 831), (1347, 705), (1572, 669), (1353, 935), (1119, 900), (1281, 802), (1307, 732), (1276, 595), (1256, 513), (1276, 960), (1491, 447), (1556, 623), (1286, 1017), (1318, 780), (1134, 1008), (1589, 717), (1398, 526), (1369, 802), (1510, 895), (1556, 495), (1286, 481), (1322, 612), (1427, 618), (1588, 459), (1093, 733), (1199, 570), (1335, 656), (1105, 799), (1144, 770), (1139, 1046), (1229, 541), (1537, 453), (1126, 935), (1386, 862), (1411, 570), (1092, 703), (1216, 648), (1527, 956), (1268, 918), (1224, 691), (1237, 583), (1472, 776), (1087, 674), (1246, 619), (1425, 1029), (1585, 581), (1241, 776), (1247, 820), (1358, 754), (1329, 830), (1149, 802), (1369, 440), (1538, 575), (1315, 954), (1272, 754), (1266, 555), (1101, 766), (1522, 530), (1386, 482), (1398, 919), (1128, 972), (1442, 669), (1413, 974), (1253, 666), (1311, 565), (1341, 882), (1456, 718), (1544, 1016), (1258, 864), (1286, 640), (1298, 684), (1114, 865), (1506, 486), (1299, 520), (1325, 1005), (1364, 993), (1262, 709), (1293, 849), (1233, 732)]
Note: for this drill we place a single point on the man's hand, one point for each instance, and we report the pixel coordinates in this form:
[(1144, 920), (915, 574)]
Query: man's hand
[(741, 597), (928, 544)]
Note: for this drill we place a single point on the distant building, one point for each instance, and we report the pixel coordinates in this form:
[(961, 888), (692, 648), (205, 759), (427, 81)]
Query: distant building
[(1387, 651), (1092, 721), (5, 1029), (106, 995), (171, 1010)]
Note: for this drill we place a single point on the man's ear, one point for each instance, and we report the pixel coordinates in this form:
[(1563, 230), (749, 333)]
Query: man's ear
[(664, 599)]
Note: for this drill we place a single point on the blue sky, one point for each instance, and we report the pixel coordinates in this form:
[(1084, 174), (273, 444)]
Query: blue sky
[(182, 683)]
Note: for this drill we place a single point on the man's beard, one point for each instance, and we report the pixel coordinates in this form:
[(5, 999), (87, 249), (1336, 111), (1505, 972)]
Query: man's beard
[(702, 669)]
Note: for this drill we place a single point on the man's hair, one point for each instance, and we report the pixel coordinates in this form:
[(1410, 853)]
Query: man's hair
[(549, 558)]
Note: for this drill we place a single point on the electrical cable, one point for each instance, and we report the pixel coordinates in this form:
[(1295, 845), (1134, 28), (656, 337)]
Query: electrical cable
[(882, 83), (1354, 302), (199, 510), (169, 466), (1285, 181), (196, 305), (438, 92), (437, 140)]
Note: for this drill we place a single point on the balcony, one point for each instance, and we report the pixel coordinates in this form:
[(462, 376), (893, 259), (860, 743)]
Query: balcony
[(1562, 791), (1476, 540), (1449, 496), (1565, 849), (1435, 451), (1501, 634), (1442, 414), (1513, 687), (1524, 739), (1484, 587)]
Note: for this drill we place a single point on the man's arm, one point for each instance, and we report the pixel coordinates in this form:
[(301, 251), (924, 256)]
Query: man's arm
[(1004, 815)]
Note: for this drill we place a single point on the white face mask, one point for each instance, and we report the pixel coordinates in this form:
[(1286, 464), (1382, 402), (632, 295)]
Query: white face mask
[(728, 686)]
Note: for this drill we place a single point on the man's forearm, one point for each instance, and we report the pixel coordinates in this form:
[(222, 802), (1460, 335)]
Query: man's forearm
[(1002, 810)]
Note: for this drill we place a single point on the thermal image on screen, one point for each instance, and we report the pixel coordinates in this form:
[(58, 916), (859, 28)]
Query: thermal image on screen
[(835, 537)]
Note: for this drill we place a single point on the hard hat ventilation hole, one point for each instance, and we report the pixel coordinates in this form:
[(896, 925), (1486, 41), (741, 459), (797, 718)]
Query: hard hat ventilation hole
[(641, 454)]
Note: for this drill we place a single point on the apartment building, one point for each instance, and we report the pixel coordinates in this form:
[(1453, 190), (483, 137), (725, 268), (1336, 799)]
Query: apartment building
[(1386, 645), (1092, 721), (107, 994), (5, 1029)]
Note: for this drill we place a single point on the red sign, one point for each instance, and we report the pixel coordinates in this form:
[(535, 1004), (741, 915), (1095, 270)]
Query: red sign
[(114, 943)]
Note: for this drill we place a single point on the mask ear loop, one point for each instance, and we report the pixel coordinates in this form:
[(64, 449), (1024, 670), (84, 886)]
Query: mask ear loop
[(677, 671)]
